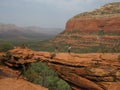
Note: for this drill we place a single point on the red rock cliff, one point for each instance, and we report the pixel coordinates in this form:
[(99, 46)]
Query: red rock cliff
[(107, 18)]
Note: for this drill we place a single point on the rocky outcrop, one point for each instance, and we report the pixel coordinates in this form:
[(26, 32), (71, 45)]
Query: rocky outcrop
[(106, 18), (95, 71)]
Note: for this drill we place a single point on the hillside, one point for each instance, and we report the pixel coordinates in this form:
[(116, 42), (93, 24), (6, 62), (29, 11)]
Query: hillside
[(16, 33), (95, 31)]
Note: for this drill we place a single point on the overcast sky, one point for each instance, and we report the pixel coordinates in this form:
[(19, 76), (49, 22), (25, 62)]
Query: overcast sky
[(45, 13)]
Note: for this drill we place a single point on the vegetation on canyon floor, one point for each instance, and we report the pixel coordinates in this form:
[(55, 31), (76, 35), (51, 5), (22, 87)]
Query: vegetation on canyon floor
[(40, 73)]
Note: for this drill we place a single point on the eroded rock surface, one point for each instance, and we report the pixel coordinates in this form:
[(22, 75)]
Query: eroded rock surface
[(93, 71)]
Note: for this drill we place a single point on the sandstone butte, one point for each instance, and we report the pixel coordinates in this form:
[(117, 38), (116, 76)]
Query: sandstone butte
[(106, 18), (93, 71), (88, 30)]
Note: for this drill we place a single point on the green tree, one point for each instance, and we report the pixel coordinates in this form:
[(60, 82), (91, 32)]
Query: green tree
[(5, 46), (41, 74), (101, 32)]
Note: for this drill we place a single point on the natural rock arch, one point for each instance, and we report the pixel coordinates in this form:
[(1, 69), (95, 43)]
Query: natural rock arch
[(82, 71)]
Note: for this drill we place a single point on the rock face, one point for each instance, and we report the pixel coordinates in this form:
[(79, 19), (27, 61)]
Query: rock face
[(111, 24), (107, 18), (95, 71), (93, 31)]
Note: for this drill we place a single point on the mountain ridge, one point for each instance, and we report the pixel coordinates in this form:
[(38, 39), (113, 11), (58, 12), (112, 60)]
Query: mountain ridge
[(11, 31)]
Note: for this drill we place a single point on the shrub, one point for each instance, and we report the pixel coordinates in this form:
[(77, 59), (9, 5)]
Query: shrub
[(39, 73), (5, 47), (1, 61), (101, 32), (8, 55), (31, 75), (52, 55)]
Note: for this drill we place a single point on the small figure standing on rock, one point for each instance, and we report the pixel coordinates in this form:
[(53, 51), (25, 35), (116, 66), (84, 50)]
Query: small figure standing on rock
[(56, 49), (23, 46), (69, 49)]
